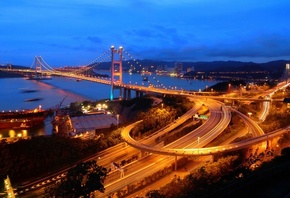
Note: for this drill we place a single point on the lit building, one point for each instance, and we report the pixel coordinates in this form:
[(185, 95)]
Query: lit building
[(9, 188), (178, 67)]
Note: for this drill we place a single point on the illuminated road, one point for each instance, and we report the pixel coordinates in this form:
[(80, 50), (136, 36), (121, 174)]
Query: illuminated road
[(152, 163), (113, 154), (256, 130), (190, 145)]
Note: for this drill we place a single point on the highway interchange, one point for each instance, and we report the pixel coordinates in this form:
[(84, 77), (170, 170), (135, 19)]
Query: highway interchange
[(157, 156)]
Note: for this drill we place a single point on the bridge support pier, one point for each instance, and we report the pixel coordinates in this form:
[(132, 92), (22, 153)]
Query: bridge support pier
[(120, 97), (269, 144), (127, 94), (175, 164), (143, 153), (273, 143), (139, 94), (122, 173)]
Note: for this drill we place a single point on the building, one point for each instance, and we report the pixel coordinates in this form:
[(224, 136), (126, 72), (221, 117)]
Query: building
[(178, 67)]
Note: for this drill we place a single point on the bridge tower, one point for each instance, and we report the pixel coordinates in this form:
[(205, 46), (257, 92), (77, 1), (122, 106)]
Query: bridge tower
[(37, 63), (9, 66), (116, 69)]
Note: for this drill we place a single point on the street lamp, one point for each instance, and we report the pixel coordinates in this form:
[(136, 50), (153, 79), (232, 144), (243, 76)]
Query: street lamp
[(229, 87), (198, 139), (249, 113), (117, 120)]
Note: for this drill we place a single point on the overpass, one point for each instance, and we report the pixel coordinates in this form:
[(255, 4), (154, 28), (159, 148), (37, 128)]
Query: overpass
[(198, 150)]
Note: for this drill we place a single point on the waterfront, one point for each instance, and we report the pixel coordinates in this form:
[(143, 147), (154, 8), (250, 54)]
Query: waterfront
[(19, 93)]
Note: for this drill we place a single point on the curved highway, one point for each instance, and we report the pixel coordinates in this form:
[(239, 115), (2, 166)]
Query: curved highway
[(198, 151), (190, 145)]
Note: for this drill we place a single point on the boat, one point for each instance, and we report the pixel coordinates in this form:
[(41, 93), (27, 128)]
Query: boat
[(21, 123), (145, 78), (23, 119), (37, 112)]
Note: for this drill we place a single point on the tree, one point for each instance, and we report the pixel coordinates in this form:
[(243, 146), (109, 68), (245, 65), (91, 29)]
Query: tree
[(81, 180), (154, 194), (286, 152)]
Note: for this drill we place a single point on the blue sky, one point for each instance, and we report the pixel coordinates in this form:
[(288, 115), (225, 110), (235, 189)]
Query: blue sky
[(76, 32)]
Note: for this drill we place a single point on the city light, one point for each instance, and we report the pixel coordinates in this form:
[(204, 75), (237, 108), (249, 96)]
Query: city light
[(197, 148)]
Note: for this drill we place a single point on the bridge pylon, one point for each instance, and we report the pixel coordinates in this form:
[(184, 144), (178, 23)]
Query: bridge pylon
[(37, 63), (9, 66), (116, 69)]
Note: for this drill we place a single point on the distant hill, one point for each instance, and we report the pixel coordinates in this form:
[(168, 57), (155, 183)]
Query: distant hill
[(278, 65), (274, 68), (236, 66), (242, 70)]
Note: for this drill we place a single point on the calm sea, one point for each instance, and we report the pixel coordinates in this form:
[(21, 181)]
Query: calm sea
[(50, 93)]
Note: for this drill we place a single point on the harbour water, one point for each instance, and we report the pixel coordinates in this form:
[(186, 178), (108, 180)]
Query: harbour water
[(19, 94)]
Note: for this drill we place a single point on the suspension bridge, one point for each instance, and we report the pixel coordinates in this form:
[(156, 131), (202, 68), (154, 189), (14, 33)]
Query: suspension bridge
[(41, 70)]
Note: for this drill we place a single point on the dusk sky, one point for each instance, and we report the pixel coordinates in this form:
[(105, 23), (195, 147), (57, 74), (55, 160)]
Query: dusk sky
[(76, 32)]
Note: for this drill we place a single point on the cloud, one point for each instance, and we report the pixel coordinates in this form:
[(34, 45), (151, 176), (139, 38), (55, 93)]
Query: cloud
[(143, 33), (260, 48), (263, 46), (162, 30), (95, 39), (78, 47), (157, 35)]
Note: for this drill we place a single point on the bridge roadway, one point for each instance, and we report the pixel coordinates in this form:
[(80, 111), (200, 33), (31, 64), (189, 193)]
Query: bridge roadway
[(142, 88), (134, 170), (196, 149), (152, 139), (117, 154), (153, 163)]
